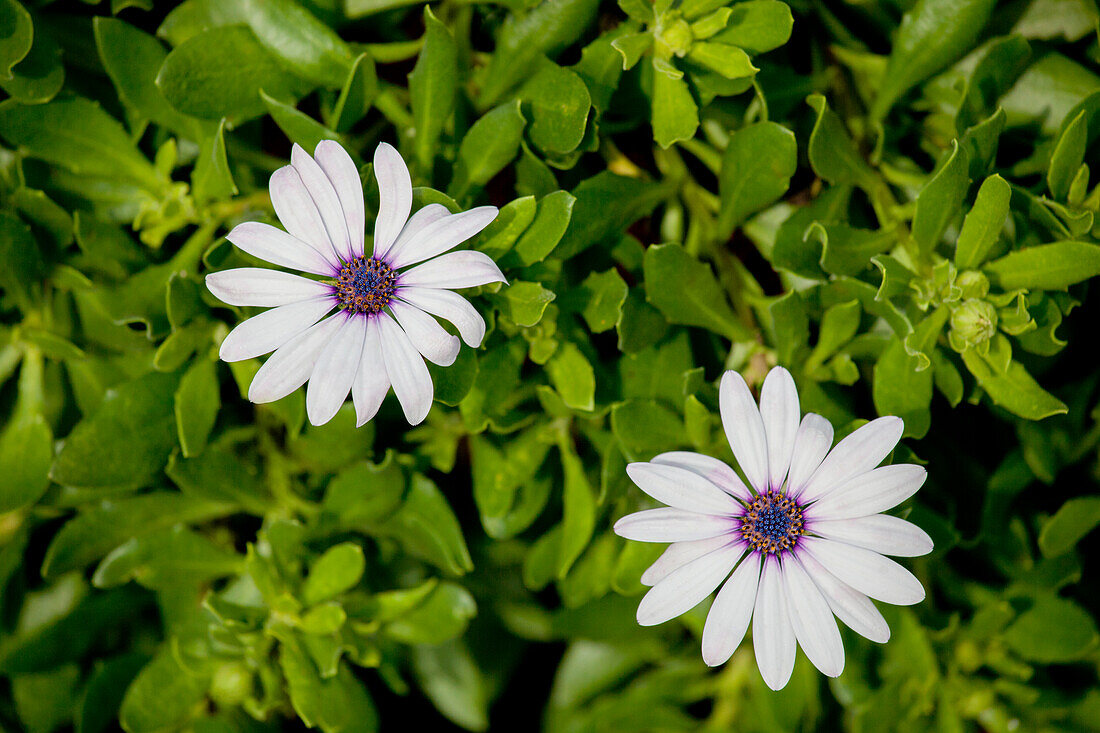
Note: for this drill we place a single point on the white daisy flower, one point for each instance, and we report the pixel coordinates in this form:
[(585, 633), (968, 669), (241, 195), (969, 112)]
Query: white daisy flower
[(379, 331), (804, 543)]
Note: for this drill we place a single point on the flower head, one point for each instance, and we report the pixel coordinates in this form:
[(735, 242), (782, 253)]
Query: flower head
[(366, 324), (804, 541)]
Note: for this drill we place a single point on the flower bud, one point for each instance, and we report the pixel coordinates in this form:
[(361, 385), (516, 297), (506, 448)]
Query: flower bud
[(973, 322)]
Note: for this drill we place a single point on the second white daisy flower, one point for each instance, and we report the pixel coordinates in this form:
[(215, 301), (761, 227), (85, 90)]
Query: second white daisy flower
[(804, 544), (381, 327)]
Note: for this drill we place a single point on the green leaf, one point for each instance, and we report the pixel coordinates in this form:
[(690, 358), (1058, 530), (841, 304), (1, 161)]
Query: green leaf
[(900, 390), (333, 704), (1053, 630), (443, 616), (603, 295), (1069, 525), (606, 204), (573, 378), (982, 226), (433, 83), (196, 406), (675, 114), (558, 104), (1069, 153), (346, 499), (686, 291), (1053, 266), (940, 199), (523, 302), (497, 239), (579, 512), (220, 475), (357, 94), (96, 532), (427, 528), (646, 427), (451, 679), (933, 35), (220, 72), (295, 36), (26, 451), (165, 559), (21, 265), (98, 708), (297, 126), (552, 219), (728, 61), (212, 178), (16, 41), (832, 152), (524, 38), (126, 442), (993, 75), (335, 572), (132, 59), (632, 47), (790, 326), (491, 143), (846, 250), (757, 25), (40, 75), (77, 135), (839, 324), (757, 166), (1014, 390)]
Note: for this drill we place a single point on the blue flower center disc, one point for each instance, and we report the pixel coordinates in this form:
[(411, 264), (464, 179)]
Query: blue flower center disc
[(772, 524), (365, 285)]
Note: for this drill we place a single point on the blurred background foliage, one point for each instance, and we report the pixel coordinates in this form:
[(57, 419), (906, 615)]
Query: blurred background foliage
[(891, 198)]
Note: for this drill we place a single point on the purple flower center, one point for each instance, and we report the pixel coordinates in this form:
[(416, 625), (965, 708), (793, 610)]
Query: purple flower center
[(365, 285), (772, 523)]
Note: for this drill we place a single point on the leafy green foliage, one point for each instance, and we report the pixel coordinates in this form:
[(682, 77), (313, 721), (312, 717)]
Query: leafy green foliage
[(896, 201)]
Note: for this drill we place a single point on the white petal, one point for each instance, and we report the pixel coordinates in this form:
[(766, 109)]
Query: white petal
[(686, 587), (852, 607), (407, 371), (811, 444), (429, 338), (449, 306), (681, 488), (779, 411), (813, 622), (371, 381), (729, 615), (712, 469), (324, 196), (332, 376), (271, 329), (868, 572), (344, 176), (260, 287), (421, 218), (772, 633), (870, 493), (442, 235), (394, 194), (463, 269), (297, 211), (280, 248), (858, 453), (290, 366), (679, 554), (671, 525), (744, 429), (880, 533)]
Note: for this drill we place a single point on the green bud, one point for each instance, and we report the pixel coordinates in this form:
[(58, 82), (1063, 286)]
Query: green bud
[(677, 36), (972, 323), (231, 684), (973, 284)]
